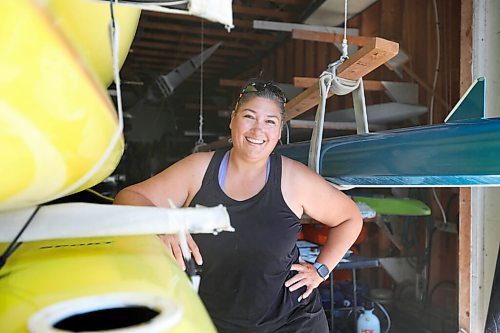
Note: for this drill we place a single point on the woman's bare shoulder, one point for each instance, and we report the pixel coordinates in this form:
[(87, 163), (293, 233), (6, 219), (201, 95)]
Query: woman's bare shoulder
[(201, 160), (189, 169), (177, 182), (297, 175), (295, 169)]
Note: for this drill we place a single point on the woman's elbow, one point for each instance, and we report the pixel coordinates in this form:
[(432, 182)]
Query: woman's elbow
[(357, 220), (128, 196)]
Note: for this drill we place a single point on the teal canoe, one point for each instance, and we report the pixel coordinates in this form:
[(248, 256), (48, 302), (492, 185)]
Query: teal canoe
[(464, 151)]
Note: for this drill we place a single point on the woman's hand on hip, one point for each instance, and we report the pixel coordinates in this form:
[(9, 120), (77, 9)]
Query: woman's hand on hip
[(306, 276), (171, 241)]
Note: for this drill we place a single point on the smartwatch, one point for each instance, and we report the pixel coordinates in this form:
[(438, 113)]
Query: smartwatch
[(322, 270)]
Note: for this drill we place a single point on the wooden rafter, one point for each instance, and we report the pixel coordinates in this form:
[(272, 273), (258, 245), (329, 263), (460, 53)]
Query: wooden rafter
[(291, 2), (164, 68), (196, 30), (306, 82), (182, 57), (263, 12), (197, 39), (329, 37), (165, 49), (367, 59), (231, 83), (176, 18), (426, 86)]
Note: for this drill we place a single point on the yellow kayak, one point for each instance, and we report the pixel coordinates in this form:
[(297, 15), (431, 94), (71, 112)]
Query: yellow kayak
[(56, 118), (98, 284), (58, 135)]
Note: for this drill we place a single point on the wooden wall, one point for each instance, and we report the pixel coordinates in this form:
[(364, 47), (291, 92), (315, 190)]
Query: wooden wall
[(410, 23)]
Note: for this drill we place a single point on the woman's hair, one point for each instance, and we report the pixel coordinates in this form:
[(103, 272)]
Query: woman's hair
[(260, 88)]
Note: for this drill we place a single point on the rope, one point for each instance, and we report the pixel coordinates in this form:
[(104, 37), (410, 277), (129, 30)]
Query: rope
[(344, 41), (340, 86), (200, 141), (114, 36), (14, 245), (325, 82), (329, 81)]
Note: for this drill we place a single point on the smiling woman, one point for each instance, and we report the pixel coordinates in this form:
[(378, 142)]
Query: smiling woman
[(252, 279), (256, 128)]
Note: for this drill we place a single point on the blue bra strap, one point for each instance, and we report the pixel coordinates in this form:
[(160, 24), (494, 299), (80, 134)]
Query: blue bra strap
[(223, 169)]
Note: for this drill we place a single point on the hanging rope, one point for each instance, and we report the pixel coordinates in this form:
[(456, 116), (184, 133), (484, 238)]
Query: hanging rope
[(325, 82), (200, 141), (114, 41), (329, 81)]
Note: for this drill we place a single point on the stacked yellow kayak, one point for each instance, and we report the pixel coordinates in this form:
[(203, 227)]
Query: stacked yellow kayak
[(67, 284), (57, 123), (56, 118)]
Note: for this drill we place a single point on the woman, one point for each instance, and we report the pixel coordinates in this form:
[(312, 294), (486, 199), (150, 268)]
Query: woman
[(252, 279)]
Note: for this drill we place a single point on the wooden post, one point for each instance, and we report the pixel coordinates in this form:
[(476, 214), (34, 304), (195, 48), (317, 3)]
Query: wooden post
[(464, 240)]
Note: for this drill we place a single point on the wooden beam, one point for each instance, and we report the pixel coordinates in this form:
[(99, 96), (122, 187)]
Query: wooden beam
[(181, 58), (175, 49), (424, 85), (263, 12), (181, 38), (388, 232), (232, 83), (464, 252), (332, 37), (142, 67), (291, 2), (289, 27), (169, 17), (464, 234), (329, 37), (209, 32), (367, 59), (306, 82)]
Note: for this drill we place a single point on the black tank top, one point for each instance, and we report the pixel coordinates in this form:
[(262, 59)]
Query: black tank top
[(244, 272)]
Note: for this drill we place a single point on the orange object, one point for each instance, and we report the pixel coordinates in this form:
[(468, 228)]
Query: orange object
[(362, 236), (315, 233), (318, 233)]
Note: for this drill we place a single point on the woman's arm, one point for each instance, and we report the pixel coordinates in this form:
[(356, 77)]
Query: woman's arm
[(322, 202), (177, 184)]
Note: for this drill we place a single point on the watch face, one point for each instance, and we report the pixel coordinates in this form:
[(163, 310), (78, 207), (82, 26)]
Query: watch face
[(323, 271)]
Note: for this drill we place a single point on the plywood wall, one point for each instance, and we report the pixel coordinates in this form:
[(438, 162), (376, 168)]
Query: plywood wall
[(410, 23)]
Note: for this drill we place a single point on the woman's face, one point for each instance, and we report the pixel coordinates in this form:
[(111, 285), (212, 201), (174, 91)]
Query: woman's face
[(256, 127)]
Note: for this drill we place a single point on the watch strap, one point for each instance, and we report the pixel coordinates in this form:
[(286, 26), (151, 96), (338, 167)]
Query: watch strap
[(322, 270)]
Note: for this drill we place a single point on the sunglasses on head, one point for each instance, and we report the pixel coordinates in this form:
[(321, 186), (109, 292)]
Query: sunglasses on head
[(255, 87)]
